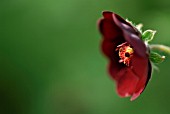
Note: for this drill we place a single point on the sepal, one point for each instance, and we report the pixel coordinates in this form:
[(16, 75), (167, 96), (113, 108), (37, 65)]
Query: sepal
[(156, 58), (148, 35)]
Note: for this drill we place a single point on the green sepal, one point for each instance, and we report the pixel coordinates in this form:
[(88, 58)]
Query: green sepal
[(139, 27), (148, 35), (156, 58), (133, 24)]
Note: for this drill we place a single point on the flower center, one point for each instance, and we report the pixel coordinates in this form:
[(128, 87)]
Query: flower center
[(125, 53)]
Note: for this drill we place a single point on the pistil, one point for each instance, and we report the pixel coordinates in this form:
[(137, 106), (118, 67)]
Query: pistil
[(125, 53)]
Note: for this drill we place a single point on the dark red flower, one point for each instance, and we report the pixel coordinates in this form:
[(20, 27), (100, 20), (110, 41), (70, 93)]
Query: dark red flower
[(128, 55)]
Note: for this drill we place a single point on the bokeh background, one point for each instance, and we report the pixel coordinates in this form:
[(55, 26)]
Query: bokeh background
[(51, 63)]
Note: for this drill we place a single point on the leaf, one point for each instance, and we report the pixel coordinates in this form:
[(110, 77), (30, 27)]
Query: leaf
[(156, 58), (148, 35)]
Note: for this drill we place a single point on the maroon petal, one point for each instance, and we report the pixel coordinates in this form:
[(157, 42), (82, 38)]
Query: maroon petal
[(141, 89), (126, 85), (122, 24), (115, 70), (109, 48), (140, 68), (137, 43), (131, 36), (108, 28), (108, 15), (131, 80), (136, 95)]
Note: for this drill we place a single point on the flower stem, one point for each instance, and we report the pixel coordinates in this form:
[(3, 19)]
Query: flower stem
[(160, 47)]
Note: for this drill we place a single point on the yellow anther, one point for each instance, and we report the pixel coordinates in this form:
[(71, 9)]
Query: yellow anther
[(125, 53)]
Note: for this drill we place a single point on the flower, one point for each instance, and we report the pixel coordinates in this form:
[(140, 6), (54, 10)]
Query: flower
[(129, 63)]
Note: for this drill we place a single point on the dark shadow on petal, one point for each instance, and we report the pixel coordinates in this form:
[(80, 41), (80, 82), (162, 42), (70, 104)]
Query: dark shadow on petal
[(149, 72), (116, 69), (109, 48)]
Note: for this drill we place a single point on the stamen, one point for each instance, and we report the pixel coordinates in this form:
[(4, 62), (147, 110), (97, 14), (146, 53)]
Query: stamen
[(125, 53)]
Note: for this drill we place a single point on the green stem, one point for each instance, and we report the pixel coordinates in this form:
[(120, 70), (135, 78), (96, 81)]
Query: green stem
[(159, 47)]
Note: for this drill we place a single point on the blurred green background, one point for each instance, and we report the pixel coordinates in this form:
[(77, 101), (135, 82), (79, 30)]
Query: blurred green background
[(51, 63)]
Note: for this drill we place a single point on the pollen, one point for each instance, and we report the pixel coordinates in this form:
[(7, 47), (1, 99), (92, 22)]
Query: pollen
[(125, 53)]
